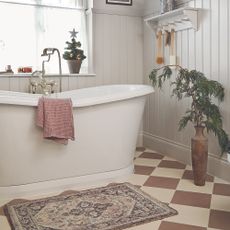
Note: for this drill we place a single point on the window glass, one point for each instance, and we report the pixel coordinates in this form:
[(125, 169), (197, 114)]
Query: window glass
[(27, 29)]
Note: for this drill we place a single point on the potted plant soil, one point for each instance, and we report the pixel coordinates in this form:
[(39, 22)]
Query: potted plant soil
[(203, 112), (73, 54)]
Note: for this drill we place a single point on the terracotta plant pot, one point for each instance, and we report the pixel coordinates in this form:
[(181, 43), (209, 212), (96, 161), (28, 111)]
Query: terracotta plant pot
[(199, 145), (74, 65)]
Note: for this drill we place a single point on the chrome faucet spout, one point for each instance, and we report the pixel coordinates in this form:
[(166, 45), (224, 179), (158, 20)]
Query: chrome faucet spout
[(48, 52)]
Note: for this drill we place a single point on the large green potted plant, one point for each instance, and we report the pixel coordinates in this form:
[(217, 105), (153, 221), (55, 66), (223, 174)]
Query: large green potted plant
[(73, 54), (203, 112)]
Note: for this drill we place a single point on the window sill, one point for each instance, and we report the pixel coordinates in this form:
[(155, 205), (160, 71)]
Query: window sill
[(28, 75)]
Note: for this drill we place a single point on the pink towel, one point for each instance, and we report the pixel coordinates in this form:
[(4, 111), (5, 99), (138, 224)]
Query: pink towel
[(56, 118)]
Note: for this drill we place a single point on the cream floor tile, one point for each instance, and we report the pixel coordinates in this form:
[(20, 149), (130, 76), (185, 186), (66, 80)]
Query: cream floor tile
[(4, 201), (188, 185), (168, 172), (135, 179), (220, 203), (168, 158), (212, 229), (146, 162), (137, 154), (188, 167), (152, 151), (190, 215), (162, 194), (4, 223), (149, 226)]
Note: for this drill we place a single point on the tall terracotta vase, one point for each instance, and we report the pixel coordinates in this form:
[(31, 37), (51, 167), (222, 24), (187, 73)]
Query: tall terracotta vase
[(74, 65), (199, 147)]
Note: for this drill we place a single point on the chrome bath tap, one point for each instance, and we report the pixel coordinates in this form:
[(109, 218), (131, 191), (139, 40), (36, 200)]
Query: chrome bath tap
[(41, 85), (48, 52)]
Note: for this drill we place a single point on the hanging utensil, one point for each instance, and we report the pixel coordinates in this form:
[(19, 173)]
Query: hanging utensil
[(159, 58), (172, 57)]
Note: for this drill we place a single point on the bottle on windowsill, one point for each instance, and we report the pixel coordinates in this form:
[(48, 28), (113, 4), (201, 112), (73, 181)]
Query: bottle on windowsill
[(8, 69)]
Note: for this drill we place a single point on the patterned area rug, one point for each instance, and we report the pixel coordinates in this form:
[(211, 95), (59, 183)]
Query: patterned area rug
[(116, 206)]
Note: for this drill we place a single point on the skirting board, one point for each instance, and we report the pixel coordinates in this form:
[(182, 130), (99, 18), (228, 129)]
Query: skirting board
[(216, 166), (140, 140)]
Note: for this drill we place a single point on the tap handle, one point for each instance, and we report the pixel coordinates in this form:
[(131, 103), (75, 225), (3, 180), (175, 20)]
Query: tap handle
[(37, 73)]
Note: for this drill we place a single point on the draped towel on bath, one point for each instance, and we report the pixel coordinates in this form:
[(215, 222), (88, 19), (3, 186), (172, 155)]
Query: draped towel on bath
[(56, 118)]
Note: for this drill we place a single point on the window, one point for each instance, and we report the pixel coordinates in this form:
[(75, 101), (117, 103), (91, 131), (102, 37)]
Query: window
[(30, 26)]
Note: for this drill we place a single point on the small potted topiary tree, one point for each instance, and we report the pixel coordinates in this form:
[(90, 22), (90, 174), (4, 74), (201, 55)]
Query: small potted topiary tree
[(73, 54), (203, 113)]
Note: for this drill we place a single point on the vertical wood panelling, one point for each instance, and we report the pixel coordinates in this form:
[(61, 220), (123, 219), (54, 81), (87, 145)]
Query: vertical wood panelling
[(23, 85), (115, 51), (123, 49), (199, 39), (149, 57), (206, 56), (99, 48), (107, 32), (5, 83), (139, 47), (14, 84), (215, 39), (131, 49), (207, 50)]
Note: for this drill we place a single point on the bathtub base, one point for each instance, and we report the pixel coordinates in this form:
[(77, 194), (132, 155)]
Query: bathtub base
[(33, 189)]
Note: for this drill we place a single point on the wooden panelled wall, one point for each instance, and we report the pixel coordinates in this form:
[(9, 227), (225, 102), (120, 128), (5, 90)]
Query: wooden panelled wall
[(206, 50), (118, 55)]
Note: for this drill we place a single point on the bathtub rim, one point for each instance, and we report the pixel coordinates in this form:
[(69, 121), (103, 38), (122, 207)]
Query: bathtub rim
[(27, 99)]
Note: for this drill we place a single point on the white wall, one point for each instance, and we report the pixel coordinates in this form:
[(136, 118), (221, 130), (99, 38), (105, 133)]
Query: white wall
[(206, 50)]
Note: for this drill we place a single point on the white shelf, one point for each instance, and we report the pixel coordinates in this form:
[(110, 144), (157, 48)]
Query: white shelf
[(179, 19)]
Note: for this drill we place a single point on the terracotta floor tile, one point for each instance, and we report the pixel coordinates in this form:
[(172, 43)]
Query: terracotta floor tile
[(188, 174), (174, 226), (162, 182), (171, 164), (151, 155), (221, 189), (219, 219), (143, 170), (192, 198)]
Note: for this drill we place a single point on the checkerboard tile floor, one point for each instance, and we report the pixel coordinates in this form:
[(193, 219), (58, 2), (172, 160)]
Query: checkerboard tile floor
[(199, 208)]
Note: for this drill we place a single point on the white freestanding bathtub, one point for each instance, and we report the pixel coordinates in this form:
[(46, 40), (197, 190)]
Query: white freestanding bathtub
[(106, 120)]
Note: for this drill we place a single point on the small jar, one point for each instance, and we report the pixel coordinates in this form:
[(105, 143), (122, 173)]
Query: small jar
[(163, 6), (170, 5)]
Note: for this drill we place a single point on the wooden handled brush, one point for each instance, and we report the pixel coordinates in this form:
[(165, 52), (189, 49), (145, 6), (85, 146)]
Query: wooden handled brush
[(159, 58)]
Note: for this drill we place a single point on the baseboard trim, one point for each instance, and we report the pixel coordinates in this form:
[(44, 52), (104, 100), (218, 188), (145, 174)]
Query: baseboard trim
[(218, 167), (140, 139)]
